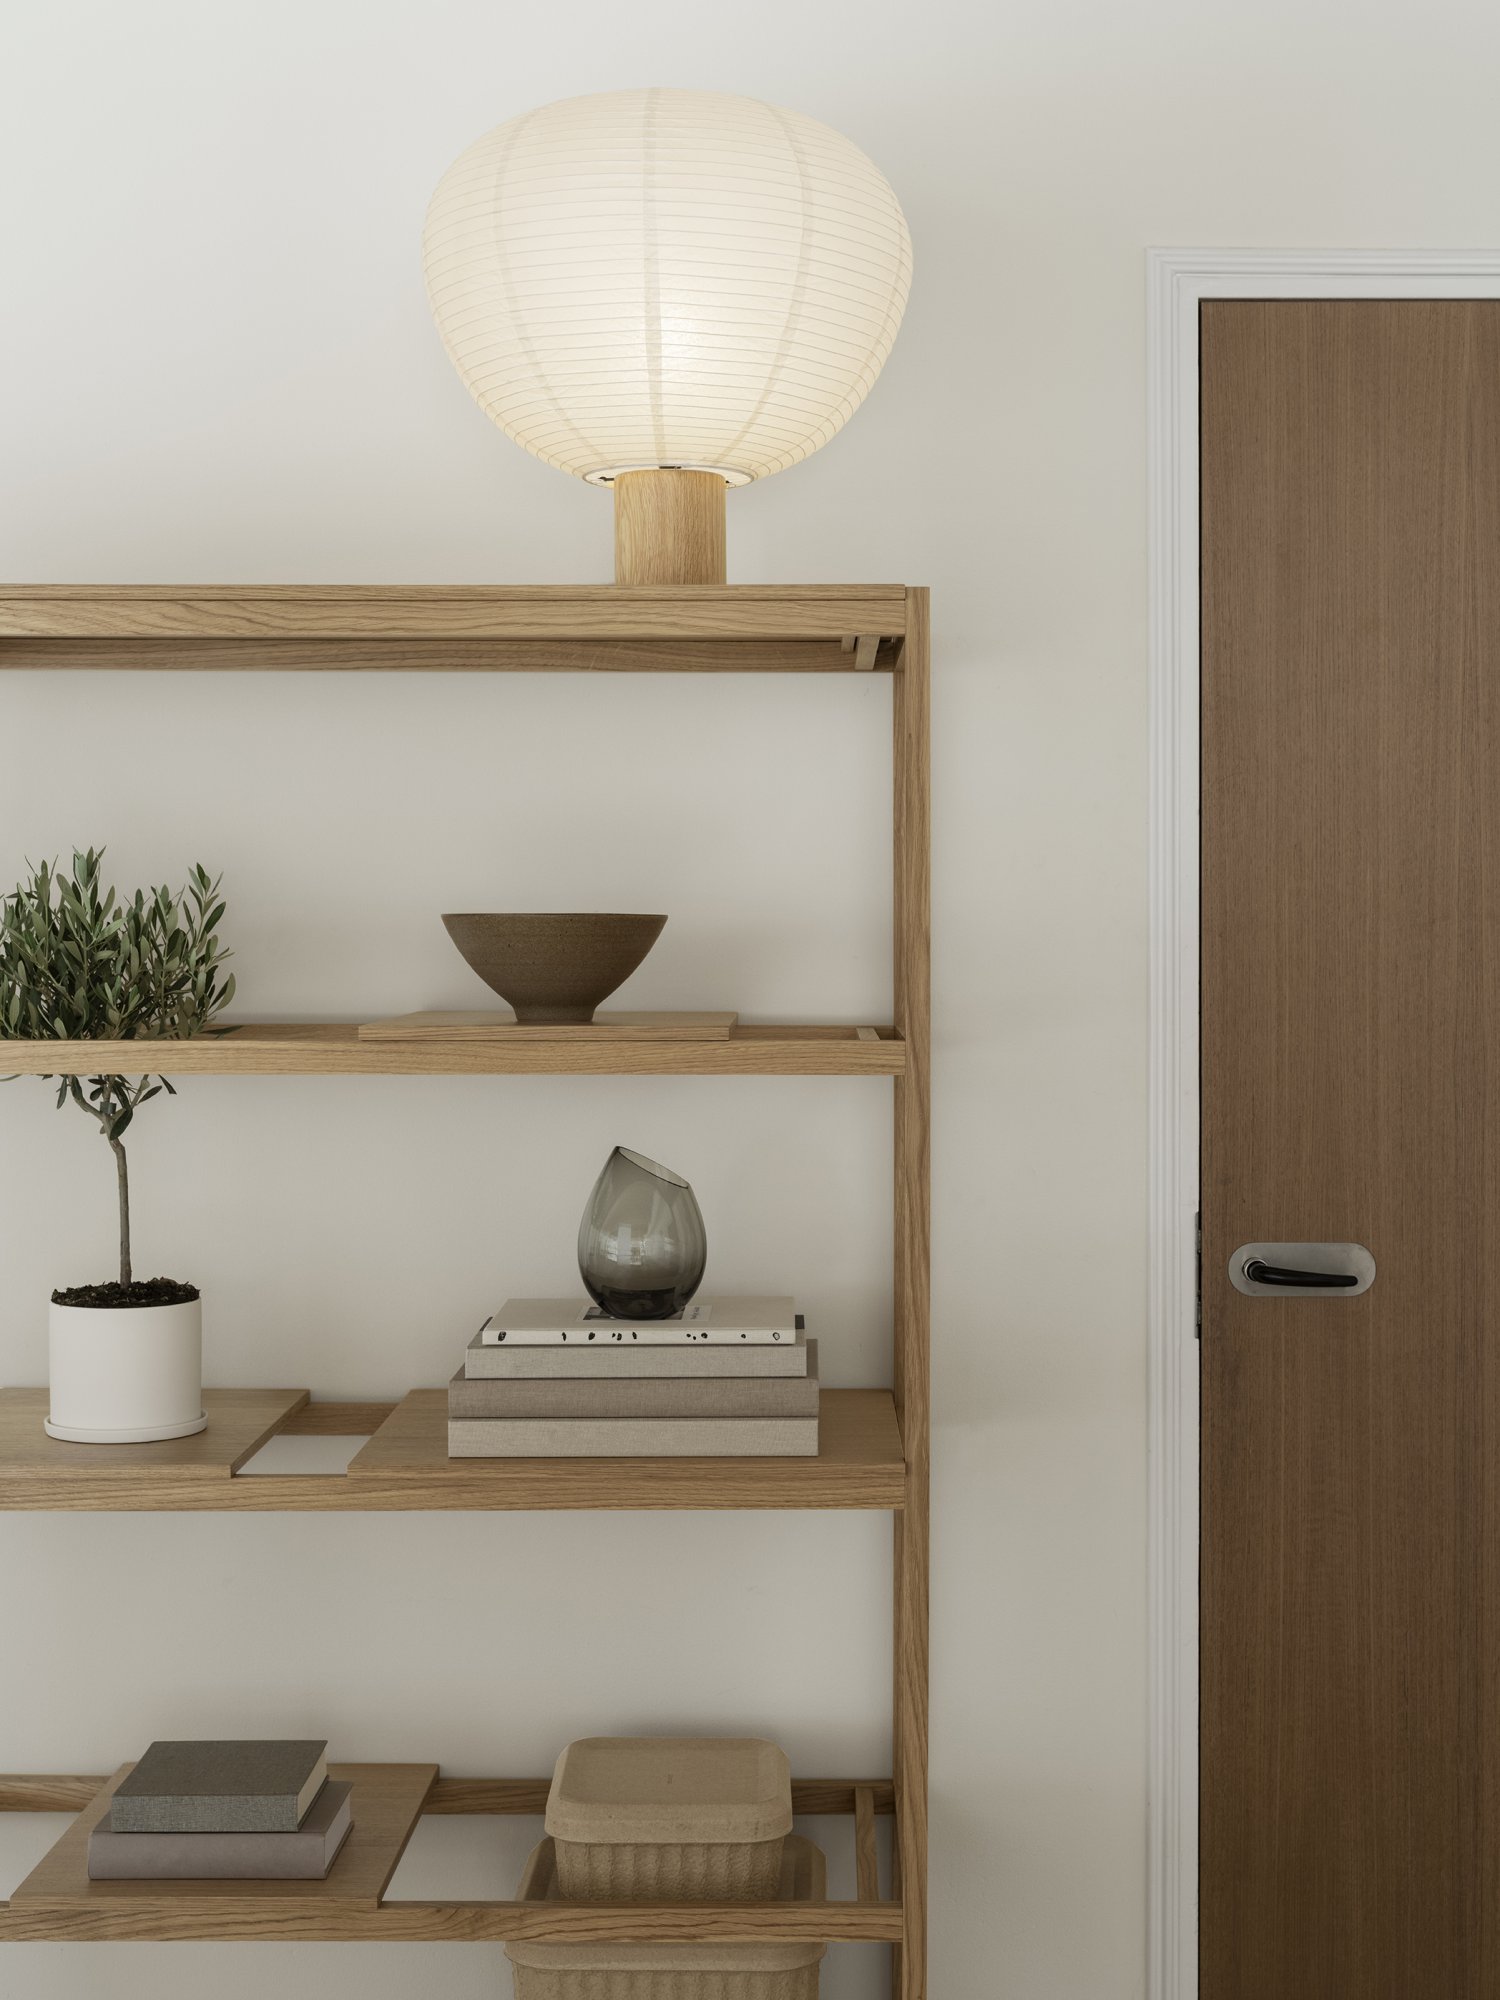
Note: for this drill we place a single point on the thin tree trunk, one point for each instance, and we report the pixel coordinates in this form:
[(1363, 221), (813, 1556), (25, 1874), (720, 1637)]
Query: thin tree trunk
[(122, 1177)]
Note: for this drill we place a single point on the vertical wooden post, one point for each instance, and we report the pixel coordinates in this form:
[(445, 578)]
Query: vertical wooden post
[(911, 757), (669, 527)]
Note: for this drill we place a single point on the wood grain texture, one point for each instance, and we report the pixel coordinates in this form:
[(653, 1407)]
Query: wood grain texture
[(387, 1803), (811, 1797), (865, 1461), (337, 1049), (335, 1419), (57, 1900), (819, 1796), (912, 979), (404, 1466), (166, 1918), (519, 1797), (669, 527), (1350, 1700), (549, 594), (439, 656), (499, 1025), (567, 613), (859, 1464), (37, 1791), (35, 1468), (866, 1858)]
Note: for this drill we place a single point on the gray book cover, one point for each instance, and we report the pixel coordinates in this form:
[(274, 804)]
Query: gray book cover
[(633, 1437), (262, 1786), (637, 1396), (483, 1363), (303, 1856)]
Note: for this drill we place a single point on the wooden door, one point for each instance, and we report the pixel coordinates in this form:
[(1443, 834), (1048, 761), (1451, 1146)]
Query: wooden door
[(1350, 1625)]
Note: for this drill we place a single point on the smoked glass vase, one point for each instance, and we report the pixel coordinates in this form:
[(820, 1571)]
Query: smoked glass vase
[(641, 1245)]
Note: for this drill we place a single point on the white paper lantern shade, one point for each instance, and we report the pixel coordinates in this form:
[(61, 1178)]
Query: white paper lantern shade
[(652, 279)]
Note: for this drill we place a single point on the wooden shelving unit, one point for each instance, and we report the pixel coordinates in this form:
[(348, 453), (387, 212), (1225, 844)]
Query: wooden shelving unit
[(404, 1465), (334, 1048), (874, 1443), (58, 1903)]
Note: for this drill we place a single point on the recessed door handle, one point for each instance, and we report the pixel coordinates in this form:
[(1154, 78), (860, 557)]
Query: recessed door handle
[(1302, 1270), (1278, 1274)]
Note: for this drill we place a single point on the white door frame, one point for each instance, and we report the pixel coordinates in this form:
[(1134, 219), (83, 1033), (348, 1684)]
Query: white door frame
[(1178, 281)]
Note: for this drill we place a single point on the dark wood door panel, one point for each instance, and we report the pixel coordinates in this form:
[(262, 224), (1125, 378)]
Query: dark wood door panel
[(1350, 1718)]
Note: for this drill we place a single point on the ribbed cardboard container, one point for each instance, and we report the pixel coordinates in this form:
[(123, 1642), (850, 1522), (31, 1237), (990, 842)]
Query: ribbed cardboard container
[(670, 1818), (672, 1971)]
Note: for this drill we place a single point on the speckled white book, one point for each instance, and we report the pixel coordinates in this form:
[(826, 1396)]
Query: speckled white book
[(578, 1322), (622, 1363)]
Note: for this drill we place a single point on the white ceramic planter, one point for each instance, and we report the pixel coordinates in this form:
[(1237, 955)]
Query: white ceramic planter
[(126, 1375)]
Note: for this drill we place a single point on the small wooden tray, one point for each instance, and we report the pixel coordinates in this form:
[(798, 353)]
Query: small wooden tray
[(388, 1801), (503, 1027)]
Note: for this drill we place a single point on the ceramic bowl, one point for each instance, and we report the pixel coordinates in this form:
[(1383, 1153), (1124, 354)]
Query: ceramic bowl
[(556, 968)]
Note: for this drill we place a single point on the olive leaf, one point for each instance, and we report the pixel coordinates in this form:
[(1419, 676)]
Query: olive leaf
[(79, 963)]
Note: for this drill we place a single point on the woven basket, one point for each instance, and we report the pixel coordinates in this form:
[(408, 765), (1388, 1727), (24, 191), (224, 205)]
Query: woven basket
[(670, 1819), (732, 1872), (535, 1982), (672, 1971)]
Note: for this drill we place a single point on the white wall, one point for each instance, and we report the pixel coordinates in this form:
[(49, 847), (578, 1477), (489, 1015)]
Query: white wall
[(216, 366)]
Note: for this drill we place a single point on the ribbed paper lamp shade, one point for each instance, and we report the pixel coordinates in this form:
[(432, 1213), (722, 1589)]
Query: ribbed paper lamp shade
[(673, 278)]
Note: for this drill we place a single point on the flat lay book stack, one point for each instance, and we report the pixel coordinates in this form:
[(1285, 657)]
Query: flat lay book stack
[(223, 1810), (557, 1378)]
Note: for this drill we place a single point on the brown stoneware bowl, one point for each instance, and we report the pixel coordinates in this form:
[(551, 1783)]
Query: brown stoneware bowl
[(554, 969)]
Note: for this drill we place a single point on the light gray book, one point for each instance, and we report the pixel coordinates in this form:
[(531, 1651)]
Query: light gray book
[(633, 1437), (303, 1856), (601, 1395), (483, 1363), (577, 1321), (220, 1787)]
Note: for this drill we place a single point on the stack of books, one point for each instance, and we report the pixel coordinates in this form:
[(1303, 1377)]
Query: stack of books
[(558, 1378), (256, 1811)]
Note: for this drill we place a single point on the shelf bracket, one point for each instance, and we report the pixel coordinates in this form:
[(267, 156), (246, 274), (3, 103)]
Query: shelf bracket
[(866, 1863), (864, 647)]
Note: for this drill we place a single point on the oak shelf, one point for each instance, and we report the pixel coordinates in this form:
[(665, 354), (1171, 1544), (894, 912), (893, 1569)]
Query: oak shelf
[(58, 1903), (706, 628), (874, 1443), (404, 1465), (335, 1048)]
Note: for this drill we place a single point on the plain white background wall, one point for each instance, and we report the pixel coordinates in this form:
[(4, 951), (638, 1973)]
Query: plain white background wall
[(216, 365)]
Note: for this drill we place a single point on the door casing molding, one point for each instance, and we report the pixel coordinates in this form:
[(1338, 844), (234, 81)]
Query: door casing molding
[(1178, 280)]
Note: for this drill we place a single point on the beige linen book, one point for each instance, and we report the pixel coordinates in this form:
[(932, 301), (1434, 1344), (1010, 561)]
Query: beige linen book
[(633, 1437), (611, 1395)]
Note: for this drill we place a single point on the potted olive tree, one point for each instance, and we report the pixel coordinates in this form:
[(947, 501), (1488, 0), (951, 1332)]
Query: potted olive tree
[(78, 963)]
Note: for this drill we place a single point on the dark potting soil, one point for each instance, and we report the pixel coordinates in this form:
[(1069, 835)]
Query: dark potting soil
[(144, 1292)]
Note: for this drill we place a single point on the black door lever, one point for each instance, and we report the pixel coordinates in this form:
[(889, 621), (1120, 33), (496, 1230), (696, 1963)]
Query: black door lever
[(1280, 1274)]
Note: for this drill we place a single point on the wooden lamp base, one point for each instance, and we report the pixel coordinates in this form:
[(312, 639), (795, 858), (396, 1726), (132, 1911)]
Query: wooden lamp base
[(669, 527)]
